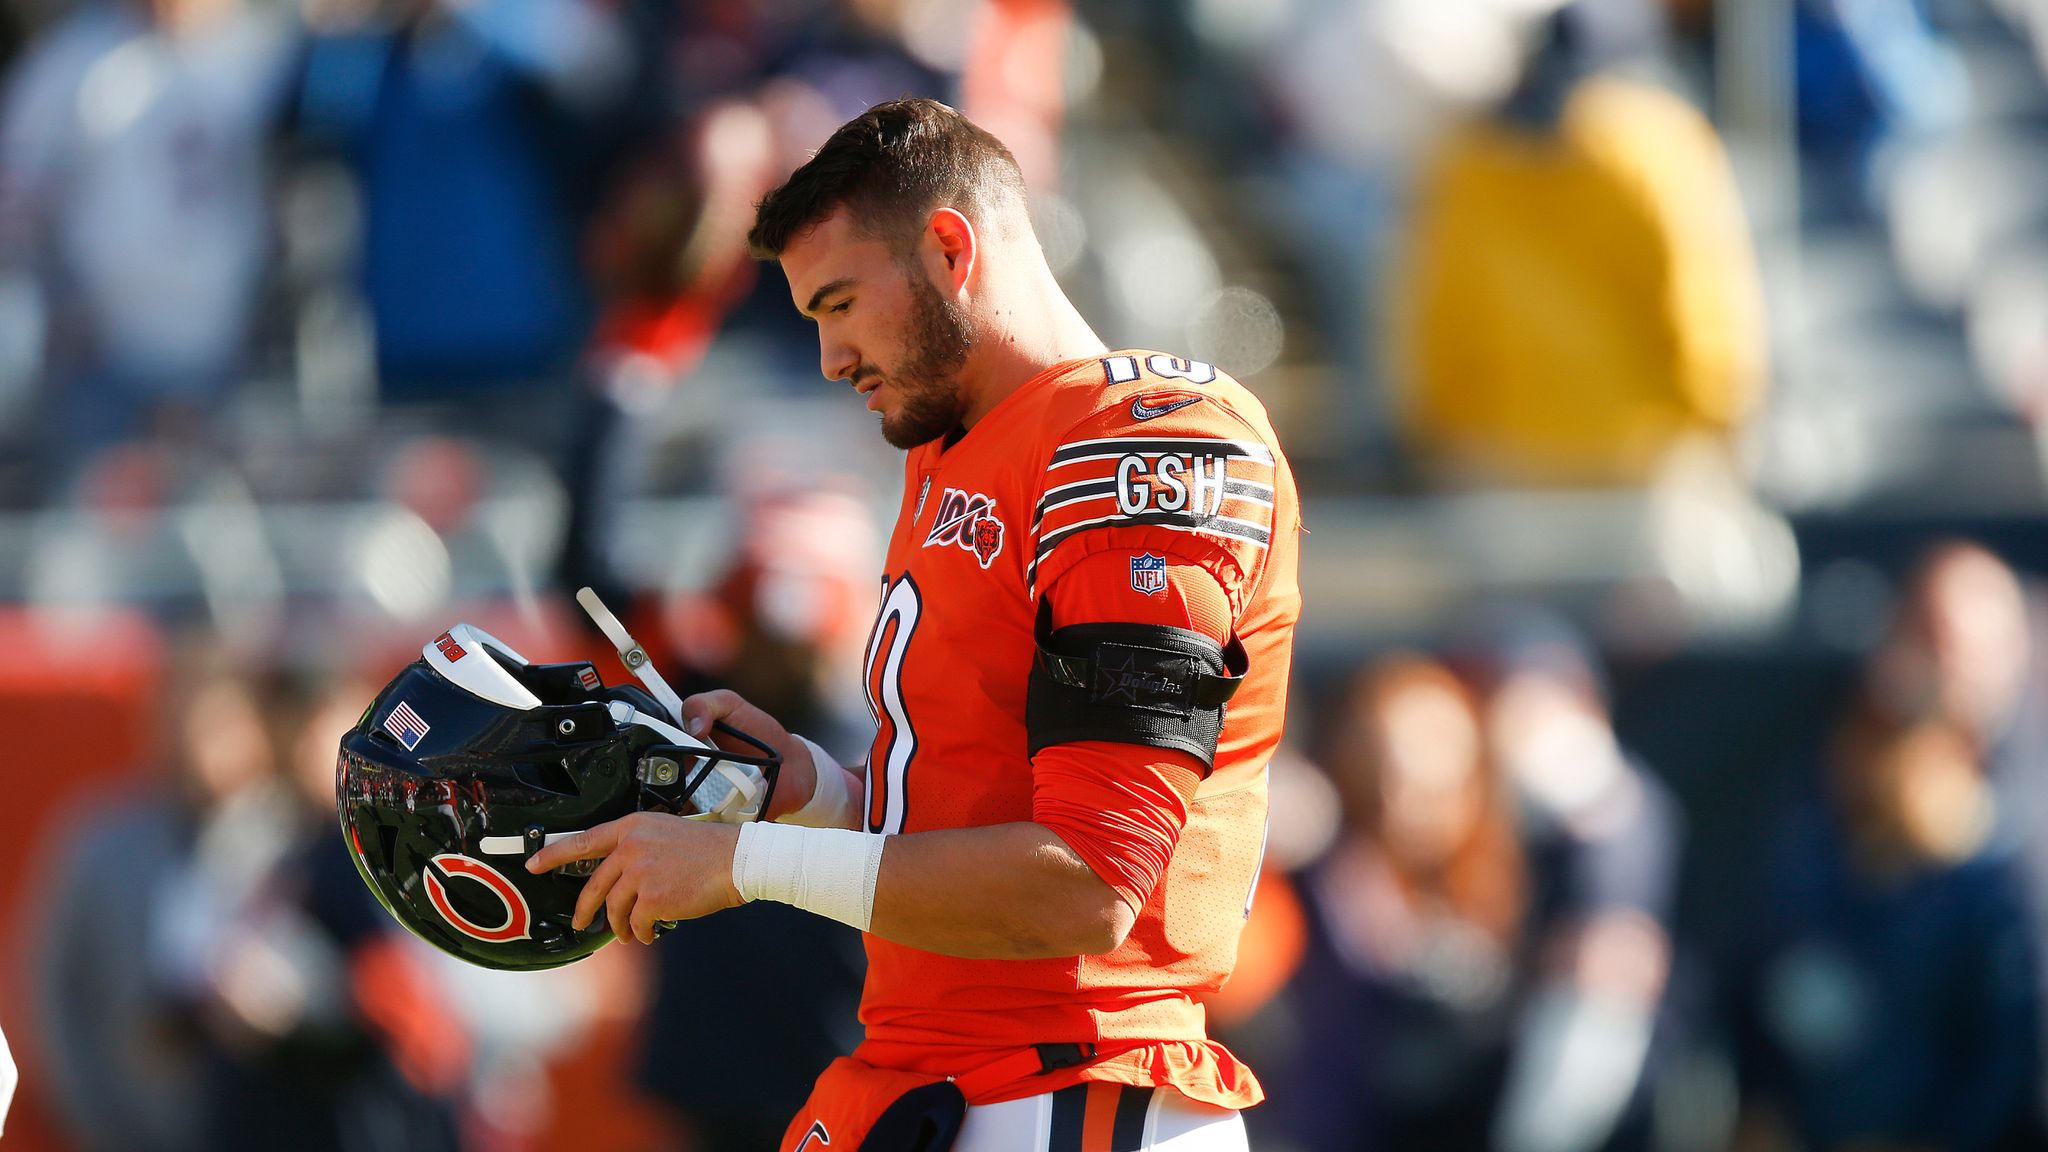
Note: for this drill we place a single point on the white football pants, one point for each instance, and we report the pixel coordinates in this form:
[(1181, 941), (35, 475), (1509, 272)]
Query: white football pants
[(1136, 1120)]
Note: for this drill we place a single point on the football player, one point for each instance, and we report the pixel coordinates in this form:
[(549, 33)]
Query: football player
[(1079, 672)]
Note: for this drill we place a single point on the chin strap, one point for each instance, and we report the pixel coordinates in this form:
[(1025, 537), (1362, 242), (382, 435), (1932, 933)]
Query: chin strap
[(727, 787)]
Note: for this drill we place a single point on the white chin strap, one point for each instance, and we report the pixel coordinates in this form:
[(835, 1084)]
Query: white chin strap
[(731, 794)]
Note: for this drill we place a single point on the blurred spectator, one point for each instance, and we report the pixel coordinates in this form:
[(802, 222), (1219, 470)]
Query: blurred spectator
[(1405, 997), (1419, 65), (1013, 79), (215, 973), (845, 54), (437, 542), (329, 1026), (1887, 995), (476, 131), (1867, 73), (134, 215), (1961, 649), (1603, 838), (125, 953), (1578, 292), (774, 990), (1490, 941), (746, 92), (806, 66), (669, 258), (787, 617)]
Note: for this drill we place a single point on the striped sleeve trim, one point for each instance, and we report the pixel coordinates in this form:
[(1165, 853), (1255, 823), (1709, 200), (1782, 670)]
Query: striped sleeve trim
[(1111, 447), (1217, 487)]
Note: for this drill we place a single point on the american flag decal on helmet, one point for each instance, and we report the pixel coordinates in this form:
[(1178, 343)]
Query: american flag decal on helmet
[(406, 724)]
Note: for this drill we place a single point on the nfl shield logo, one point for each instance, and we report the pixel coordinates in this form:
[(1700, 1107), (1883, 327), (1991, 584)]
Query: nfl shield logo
[(1148, 574)]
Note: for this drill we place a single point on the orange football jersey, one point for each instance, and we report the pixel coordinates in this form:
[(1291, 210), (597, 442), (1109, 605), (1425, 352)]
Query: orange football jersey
[(1145, 456)]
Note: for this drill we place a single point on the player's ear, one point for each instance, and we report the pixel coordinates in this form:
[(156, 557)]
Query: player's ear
[(950, 248)]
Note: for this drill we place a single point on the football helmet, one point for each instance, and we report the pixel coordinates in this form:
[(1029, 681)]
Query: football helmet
[(473, 758)]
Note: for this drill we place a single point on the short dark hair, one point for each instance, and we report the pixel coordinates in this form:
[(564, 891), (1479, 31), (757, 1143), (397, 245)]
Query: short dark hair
[(891, 166)]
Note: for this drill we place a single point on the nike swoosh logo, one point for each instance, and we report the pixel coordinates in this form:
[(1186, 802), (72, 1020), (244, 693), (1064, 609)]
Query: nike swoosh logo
[(1143, 411)]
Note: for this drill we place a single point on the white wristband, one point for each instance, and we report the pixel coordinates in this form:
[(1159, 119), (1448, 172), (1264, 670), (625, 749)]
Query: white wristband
[(831, 802), (829, 871)]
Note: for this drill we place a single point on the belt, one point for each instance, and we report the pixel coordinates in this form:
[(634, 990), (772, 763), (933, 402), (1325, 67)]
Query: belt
[(1037, 1060)]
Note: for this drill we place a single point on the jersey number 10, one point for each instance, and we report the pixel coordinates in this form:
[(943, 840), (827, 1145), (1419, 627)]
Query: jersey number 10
[(883, 678)]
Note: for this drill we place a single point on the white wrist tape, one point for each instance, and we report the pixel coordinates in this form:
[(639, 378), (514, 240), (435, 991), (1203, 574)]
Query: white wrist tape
[(828, 871), (831, 802)]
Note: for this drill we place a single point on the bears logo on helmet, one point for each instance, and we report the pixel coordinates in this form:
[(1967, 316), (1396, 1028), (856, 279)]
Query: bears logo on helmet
[(517, 915)]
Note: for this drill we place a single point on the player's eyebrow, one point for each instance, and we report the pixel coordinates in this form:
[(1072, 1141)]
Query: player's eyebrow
[(818, 297)]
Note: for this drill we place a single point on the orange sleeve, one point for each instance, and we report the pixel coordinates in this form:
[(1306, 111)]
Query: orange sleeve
[(1121, 807)]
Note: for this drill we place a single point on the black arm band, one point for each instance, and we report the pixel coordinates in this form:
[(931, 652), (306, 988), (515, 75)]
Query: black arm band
[(1148, 684)]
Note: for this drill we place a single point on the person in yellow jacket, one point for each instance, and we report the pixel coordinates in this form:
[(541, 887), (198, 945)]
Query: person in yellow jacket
[(1579, 292)]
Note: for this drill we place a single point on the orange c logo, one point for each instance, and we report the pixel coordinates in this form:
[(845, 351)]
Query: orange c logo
[(518, 918)]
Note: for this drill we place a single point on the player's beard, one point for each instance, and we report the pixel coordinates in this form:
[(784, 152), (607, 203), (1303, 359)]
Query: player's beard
[(940, 335)]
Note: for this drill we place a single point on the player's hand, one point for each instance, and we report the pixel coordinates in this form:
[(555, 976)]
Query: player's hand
[(655, 867), (799, 776)]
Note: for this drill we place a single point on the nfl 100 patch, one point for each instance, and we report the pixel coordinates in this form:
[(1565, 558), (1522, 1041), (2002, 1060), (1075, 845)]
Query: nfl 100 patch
[(967, 520), (1148, 574)]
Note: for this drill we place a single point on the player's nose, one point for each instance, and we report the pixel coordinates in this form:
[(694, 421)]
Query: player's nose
[(836, 360)]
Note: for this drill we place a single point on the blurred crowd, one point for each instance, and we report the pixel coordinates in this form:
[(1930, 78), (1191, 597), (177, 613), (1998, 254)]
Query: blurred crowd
[(1669, 763)]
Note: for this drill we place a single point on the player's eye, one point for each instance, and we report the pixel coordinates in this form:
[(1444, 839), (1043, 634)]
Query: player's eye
[(842, 307)]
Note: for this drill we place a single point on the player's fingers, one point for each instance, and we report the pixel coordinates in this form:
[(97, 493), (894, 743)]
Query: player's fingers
[(643, 921), (701, 710), (618, 908), (594, 891), (598, 841)]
